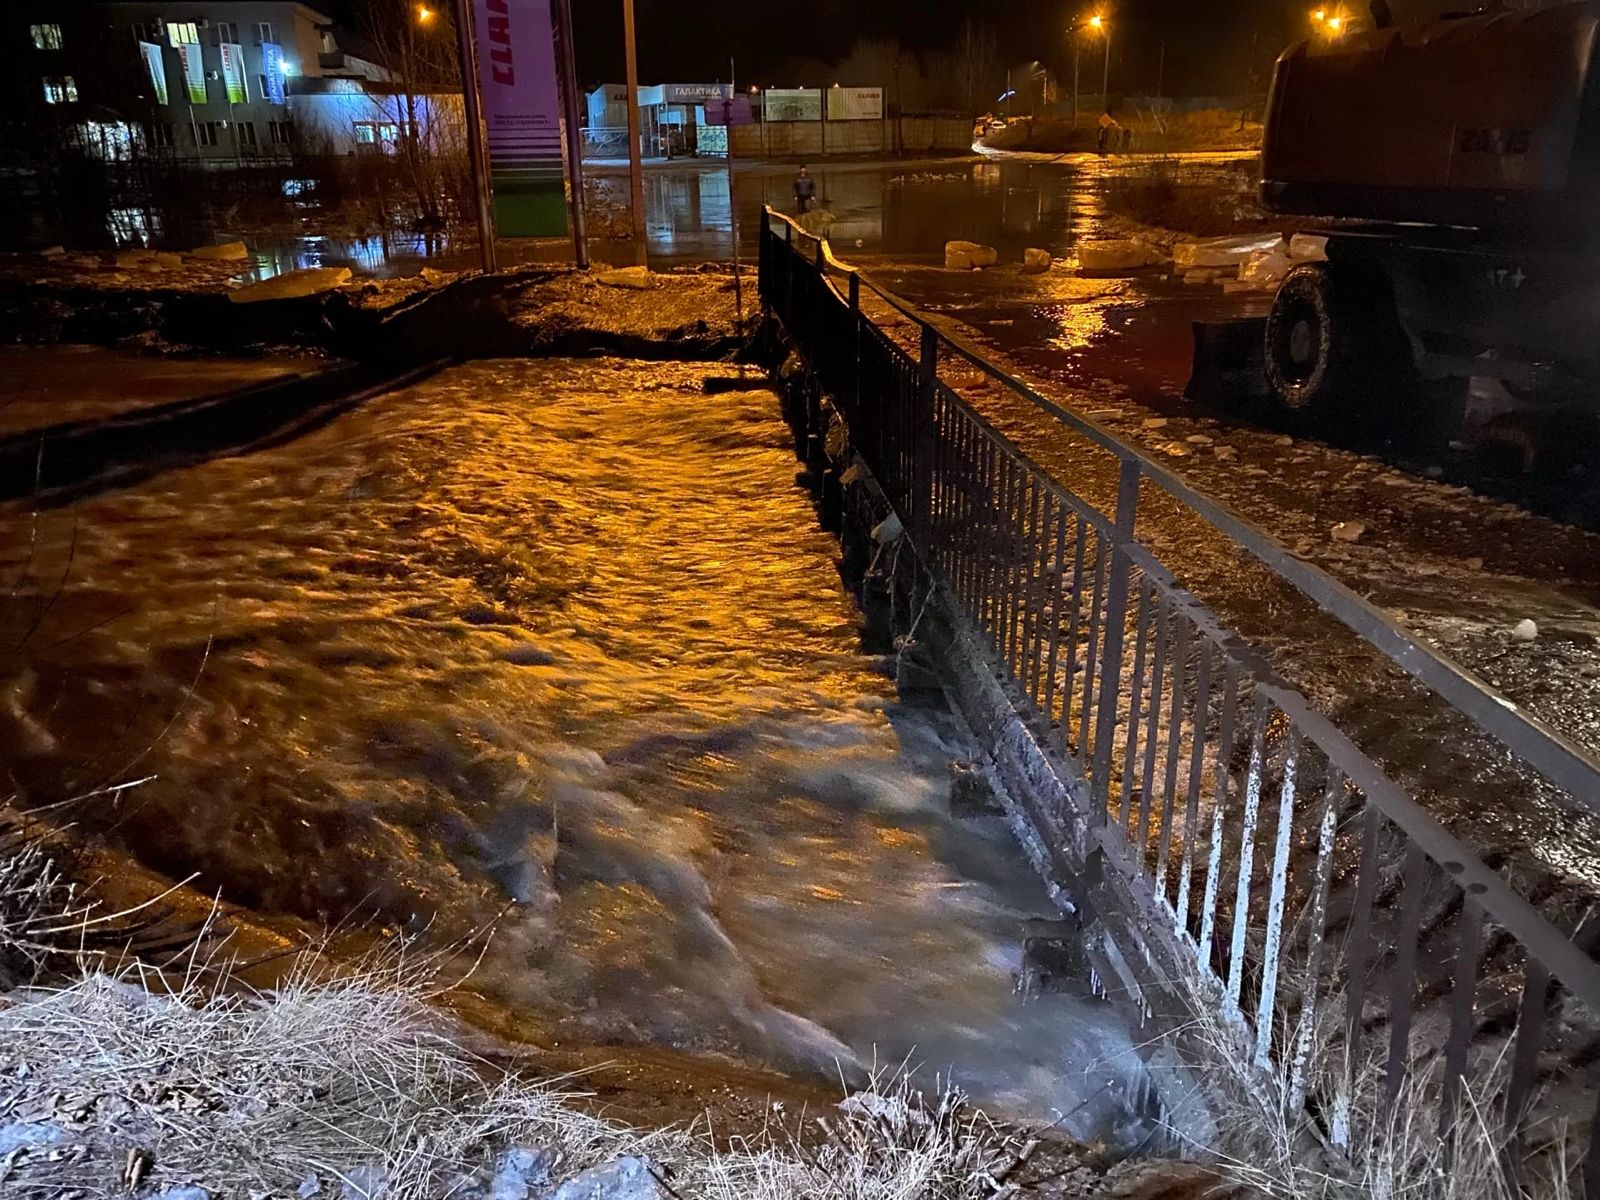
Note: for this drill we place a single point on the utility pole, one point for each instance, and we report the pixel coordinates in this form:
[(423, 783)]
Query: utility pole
[(566, 67), (733, 207), (1105, 77), (641, 256), (472, 101), (1077, 45)]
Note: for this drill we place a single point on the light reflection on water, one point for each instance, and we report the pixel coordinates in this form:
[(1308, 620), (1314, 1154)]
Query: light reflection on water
[(906, 210), (563, 635)]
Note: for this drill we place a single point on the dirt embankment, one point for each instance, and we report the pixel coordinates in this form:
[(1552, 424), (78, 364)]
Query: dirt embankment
[(536, 311), (1171, 133)]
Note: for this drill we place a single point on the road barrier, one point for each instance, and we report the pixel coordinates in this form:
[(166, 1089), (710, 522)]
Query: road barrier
[(1306, 889)]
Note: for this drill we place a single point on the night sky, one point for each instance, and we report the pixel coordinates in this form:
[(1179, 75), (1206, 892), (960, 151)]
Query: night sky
[(1211, 45)]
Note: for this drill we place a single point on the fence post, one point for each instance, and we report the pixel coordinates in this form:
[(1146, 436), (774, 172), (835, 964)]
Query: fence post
[(822, 264), (1111, 659), (922, 442)]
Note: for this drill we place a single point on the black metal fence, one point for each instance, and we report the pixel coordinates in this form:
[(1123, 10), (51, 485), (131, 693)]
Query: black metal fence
[(1332, 922)]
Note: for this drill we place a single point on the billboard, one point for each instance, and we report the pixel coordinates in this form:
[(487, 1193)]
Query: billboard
[(233, 73), (194, 71), (791, 104), (156, 68), (729, 111), (522, 113), (855, 104)]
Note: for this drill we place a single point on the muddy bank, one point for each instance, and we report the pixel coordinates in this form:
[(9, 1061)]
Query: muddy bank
[(538, 311)]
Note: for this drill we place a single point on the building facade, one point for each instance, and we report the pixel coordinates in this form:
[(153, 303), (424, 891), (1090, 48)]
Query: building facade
[(206, 80)]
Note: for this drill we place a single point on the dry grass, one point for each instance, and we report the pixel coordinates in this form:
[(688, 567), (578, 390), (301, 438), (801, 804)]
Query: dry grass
[(357, 1087), (1393, 1152)]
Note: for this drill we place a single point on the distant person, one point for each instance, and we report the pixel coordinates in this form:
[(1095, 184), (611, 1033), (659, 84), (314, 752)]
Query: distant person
[(805, 190), (1107, 123)]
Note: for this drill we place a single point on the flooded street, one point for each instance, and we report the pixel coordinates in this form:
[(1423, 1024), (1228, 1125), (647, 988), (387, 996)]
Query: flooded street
[(555, 643)]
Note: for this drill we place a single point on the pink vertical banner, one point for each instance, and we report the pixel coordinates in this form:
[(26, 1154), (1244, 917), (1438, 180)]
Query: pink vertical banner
[(522, 116)]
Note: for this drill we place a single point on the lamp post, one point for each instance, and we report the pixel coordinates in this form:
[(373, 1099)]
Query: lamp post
[(477, 159), (1100, 25)]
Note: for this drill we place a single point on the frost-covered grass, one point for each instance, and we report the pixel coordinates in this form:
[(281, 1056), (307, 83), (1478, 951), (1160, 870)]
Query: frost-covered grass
[(1394, 1151), (359, 1087)]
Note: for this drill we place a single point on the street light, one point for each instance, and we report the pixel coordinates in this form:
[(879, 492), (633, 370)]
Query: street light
[(424, 14), (1099, 24)]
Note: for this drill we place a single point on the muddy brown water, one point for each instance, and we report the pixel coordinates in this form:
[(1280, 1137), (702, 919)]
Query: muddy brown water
[(559, 644)]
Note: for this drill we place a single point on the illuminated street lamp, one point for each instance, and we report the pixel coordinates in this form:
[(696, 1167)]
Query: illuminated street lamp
[(424, 14)]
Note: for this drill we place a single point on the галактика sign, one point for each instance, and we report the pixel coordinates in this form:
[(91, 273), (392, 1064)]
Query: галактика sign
[(521, 111)]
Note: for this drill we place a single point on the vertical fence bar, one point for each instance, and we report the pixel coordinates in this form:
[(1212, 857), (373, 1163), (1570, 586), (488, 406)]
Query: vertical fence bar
[(1130, 750), (1090, 648), (1208, 905), (1525, 1048), (1356, 968), (1049, 516), (1191, 811), (1247, 850), (1116, 615), (1152, 718), (1469, 931), (1266, 1010), (1316, 940), (1180, 671), (1403, 975), (1068, 690), (1058, 587), (922, 439)]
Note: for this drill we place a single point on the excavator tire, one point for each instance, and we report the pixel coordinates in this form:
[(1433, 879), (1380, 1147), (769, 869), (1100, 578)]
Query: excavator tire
[(1335, 351)]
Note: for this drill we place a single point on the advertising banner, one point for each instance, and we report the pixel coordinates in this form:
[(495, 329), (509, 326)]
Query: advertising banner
[(194, 71), (272, 68), (156, 68), (233, 73), (522, 113), (791, 104), (734, 111), (855, 104)]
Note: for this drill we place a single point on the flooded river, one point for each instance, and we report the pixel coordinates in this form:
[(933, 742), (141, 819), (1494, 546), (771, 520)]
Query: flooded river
[(558, 643)]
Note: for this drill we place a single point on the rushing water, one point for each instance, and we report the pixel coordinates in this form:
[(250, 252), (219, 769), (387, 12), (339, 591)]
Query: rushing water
[(560, 636)]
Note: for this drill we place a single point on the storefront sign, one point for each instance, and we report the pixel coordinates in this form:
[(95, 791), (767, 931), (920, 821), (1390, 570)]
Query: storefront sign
[(272, 68), (156, 68), (522, 113), (194, 71), (233, 73)]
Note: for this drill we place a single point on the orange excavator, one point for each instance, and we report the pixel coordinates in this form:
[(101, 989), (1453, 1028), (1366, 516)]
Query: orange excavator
[(1455, 169)]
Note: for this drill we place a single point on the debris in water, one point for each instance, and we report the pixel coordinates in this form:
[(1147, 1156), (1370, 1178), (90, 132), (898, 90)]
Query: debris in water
[(1348, 531), (1524, 630)]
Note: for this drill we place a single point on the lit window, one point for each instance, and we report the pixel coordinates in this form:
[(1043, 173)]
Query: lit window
[(264, 32), (46, 37), (183, 33), (60, 89)]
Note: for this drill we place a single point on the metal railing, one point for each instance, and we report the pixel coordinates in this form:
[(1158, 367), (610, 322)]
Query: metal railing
[(1308, 889)]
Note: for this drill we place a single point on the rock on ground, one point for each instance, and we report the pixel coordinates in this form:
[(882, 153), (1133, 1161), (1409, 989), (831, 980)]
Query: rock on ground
[(292, 285), (968, 256), (625, 1179)]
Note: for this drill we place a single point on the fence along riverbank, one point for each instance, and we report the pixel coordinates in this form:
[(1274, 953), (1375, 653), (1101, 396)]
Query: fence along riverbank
[(1257, 848)]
